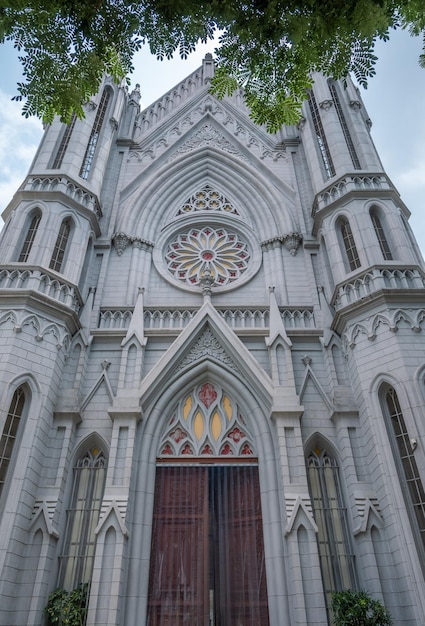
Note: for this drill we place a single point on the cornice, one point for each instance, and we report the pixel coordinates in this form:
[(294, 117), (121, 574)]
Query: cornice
[(59, 188), (352, 185), (374, 304), (389, 318)]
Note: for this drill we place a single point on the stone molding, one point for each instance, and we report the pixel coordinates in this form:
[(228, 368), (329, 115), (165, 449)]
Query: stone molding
[(349, 184), (297, 505), (177, 319), (390, 318), (262, 147), (40, 280), (40, 327), (375, 279), (66, 186)]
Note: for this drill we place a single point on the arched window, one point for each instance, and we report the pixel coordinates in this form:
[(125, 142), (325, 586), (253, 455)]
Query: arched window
[(29, 238), (349, 245), (330, 513), (10, 432), (76, 562), (94, 135), (60, 246), (414, 492), (66, 137), (380, 235), (321, 137)]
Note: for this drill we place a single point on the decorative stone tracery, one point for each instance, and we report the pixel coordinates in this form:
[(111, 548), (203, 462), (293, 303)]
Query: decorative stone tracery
[(207, 199), (206, 422)]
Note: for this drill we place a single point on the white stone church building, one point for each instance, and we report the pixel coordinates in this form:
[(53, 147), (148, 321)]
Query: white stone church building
[(212, 372)]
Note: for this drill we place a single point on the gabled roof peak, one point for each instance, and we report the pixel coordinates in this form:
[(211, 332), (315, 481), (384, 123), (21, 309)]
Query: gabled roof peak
[(198, 80)]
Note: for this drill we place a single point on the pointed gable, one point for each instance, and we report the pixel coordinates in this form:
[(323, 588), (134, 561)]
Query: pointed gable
[(207, 339)]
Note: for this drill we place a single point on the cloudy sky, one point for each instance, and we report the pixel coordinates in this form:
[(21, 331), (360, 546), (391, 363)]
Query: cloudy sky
[(395, 101)]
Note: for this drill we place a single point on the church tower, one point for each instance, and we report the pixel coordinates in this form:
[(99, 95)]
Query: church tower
[(213, 367)]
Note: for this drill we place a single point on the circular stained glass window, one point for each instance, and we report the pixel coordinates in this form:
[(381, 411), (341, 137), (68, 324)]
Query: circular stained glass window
[(224, 254)]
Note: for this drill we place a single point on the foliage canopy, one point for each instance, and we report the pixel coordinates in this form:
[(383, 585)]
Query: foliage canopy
[(268, 48)]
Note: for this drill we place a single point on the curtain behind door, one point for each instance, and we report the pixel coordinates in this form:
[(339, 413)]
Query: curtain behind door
[(207, 561)]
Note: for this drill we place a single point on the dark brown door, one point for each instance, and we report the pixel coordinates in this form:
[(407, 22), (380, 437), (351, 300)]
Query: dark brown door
[(207, 561)]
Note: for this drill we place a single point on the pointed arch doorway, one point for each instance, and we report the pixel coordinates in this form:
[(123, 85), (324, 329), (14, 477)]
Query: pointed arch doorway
[(207, 563)]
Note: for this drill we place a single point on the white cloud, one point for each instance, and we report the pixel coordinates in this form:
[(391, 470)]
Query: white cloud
[(19, 139), (414, 177)]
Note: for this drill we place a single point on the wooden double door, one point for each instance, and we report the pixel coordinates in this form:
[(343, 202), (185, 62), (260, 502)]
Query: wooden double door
[(207, 557)]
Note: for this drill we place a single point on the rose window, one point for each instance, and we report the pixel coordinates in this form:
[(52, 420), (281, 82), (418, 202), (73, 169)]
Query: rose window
[(221, 254)]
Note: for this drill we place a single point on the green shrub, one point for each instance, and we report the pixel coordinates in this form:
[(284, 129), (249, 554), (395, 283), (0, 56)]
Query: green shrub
[(68, 608), (357, 608)]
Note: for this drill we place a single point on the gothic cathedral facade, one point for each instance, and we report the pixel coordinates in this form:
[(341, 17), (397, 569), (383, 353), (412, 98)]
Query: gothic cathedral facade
[(213, 367)]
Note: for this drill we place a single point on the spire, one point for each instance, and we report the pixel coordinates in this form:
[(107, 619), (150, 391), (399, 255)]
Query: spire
[(208, 67), (135, 94), (137, 326), (276, 326), (85, 316)]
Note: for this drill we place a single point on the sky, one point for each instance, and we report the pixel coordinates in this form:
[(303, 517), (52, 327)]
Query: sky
[(395, 101)]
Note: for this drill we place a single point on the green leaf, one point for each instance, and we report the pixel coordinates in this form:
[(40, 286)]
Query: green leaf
[(268, 49)]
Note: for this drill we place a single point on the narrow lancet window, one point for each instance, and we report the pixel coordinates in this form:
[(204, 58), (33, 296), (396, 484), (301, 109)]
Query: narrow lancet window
[(349, 245), (9, 434), (344, 127), (406, 462), (29, 238), (335, 553), (380, 235), (94, 136), (60, 246), (321, 137), (66, 137), (76, 562)]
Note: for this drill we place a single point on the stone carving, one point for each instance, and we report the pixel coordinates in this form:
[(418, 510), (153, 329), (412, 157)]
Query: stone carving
[(291, 241), (207, 136), (121, 241), (206, 282), (207, 107), (356, 105), (135, 94), (207, 346)]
